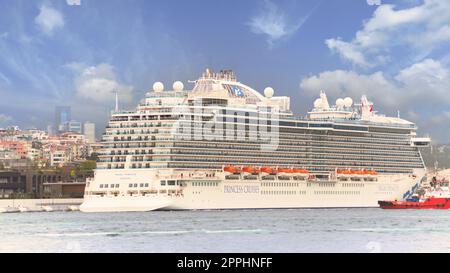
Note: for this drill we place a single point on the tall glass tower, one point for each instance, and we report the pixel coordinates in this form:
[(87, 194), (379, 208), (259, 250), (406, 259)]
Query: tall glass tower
[(62, 115)]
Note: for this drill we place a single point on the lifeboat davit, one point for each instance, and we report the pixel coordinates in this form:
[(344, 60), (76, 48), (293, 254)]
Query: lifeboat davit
[(232, 169), (251, 170), (268, 170)]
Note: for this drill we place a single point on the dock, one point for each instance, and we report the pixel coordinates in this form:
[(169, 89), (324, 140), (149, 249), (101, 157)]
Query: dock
[(39, 205)]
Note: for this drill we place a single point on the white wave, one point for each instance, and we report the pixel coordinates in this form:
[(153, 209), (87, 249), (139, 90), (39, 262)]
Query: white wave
[(232, 231), (119, 233), (394, 229)]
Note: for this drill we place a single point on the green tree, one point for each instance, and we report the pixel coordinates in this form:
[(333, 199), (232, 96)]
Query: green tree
[(88, 165), (93, 157)]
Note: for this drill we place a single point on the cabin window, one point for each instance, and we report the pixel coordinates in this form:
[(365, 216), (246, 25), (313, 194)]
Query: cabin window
[(163, 182)]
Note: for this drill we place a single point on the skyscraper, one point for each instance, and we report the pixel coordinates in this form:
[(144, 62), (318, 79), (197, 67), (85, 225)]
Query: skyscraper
[(62, 116), (89, 131), (73, 126)]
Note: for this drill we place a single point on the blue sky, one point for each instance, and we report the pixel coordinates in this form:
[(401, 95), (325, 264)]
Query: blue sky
[(75, 52)]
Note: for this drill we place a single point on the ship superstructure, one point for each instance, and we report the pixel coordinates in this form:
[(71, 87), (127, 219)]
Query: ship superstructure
[(225, 145)]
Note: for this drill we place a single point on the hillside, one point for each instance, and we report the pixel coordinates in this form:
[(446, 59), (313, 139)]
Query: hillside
[(439, 153)]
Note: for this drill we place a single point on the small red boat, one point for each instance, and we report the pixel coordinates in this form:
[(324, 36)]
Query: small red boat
[(429, 203), (435, 196)]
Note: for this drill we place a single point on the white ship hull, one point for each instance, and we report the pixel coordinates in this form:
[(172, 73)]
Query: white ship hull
[(124, 203), (197, 194)]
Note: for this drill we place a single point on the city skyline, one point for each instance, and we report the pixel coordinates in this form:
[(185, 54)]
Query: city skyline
[(77, 53)]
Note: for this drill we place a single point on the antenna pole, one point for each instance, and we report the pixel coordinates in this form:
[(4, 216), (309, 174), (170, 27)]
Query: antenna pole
[(117, 102)]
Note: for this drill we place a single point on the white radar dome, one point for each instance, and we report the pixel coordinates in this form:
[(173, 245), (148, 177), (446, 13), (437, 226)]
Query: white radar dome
[(317, 103), (348, 102), (178, 86), (268, 92), (158, 86), (340, 102)]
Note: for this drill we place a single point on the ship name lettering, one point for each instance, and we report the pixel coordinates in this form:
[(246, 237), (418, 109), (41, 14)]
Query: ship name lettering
[(241, 189)]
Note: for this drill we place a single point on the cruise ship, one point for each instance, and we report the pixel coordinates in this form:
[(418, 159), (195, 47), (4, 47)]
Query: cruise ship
[(224, 145)]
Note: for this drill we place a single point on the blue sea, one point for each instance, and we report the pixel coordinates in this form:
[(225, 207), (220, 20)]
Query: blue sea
[(278, 230)]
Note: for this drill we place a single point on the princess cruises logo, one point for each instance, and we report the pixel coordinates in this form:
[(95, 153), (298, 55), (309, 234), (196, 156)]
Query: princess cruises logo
[(237, 91)]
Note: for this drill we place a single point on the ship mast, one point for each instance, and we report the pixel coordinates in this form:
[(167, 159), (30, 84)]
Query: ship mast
[(117, 102)]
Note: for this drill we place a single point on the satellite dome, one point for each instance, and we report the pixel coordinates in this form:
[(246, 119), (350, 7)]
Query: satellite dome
[(158, 86), (268, 92), (348, 102), (317, 103), (178, 86), (340, 102)]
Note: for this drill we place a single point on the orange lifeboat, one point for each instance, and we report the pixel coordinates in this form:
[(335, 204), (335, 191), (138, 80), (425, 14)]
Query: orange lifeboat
[(346, 172), (300, 171), (268, 170), (232, 169), (285, 170), (251, 170)]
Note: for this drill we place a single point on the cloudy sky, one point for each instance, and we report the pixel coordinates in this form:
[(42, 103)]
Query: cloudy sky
[(76, 52)]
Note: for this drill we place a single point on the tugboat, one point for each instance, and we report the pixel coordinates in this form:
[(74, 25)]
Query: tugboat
[(437, 196)]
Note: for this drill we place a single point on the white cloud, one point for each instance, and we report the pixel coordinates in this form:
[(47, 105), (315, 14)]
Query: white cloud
[(73, 2), (4, 118), (4, 79), (419, 91), (273, 23), (49, 19), (343, 83), (99, 83), (424, 82), (421, 28), (347, 51)]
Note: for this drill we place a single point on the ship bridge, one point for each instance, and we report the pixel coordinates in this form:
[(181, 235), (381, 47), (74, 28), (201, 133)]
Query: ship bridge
[(421, 141)]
